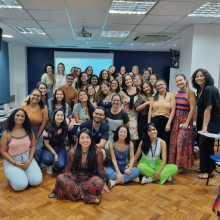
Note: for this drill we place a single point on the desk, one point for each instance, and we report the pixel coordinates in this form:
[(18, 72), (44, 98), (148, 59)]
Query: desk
[(210, 135)]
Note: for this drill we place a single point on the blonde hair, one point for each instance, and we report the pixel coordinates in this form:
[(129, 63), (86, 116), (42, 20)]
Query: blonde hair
[(188, 89)]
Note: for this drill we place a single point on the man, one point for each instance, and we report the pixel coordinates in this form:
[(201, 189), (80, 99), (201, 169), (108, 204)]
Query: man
[(99, 129), (73, 71)]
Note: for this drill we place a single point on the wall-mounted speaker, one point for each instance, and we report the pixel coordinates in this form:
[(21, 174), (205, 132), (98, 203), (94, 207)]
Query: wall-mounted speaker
[(0, 39)]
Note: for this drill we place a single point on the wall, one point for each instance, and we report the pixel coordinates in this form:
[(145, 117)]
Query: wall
[(160, 61)]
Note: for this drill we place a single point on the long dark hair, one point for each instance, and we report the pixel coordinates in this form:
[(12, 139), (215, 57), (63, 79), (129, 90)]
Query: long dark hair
[(152, 69), (118, 88), (91, 157), (40, 103), (89, 104), (88, 68), (100, 77), (115, 73), (208, 78), (123, 80), (146, 141), (26, 124), (149, 84), (63, 102), (79, 82), (125, 70), (38, 85), (127, 139), (53, 129), (100, 96), (87, 88), (156, 97), (92, 77)]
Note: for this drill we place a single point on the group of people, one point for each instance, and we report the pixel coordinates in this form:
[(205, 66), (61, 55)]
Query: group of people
[(116, 116)]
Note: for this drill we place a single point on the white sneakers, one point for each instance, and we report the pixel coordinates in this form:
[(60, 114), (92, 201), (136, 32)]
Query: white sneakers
[(169, 179), (146, 179), (136, 180), (49, 169)]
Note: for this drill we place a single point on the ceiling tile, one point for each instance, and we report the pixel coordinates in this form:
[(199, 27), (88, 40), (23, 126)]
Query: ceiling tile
[(134, 44), (94, 33), (84, 42), (49, 15), (61, 37), (174, 29), (64, 41), (58, 31), (155, 44), (150, 28), (36, 36), (88, 6), (87, 17), (110, 39), (43, 4), (175, 8), (91, 26), (160, 20), (41, 41), (192, 20), (21, 23), (114, 43), (119, 27), (14, 13), (124, 19), (56, 25)]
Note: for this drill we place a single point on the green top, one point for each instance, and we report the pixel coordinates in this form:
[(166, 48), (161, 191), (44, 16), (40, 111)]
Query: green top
[(46, 80), (78, 110)]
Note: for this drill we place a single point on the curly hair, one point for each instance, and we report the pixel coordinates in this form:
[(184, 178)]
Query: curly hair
[(127, 139), (208, 79), (26, 124), (40, 103), (100, 96), (92, 77), (46, 64), (100, 77)]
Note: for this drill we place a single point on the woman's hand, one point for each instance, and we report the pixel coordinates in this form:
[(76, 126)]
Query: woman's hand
[(128, 171), (167, 128), (127, 166), (70, 127), (55, 158), (204, 130), (157, 177), (27, 163), (120, 177), (185, 126), (21, 165)]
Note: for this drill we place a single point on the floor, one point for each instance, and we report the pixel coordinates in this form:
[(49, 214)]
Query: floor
[(186, 197)]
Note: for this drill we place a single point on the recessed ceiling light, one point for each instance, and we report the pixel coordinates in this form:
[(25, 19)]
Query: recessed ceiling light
[(24, 30), (115, 33), (87, 42), (152, 44), (174, 45), (109, 43), (9, 4), (131, 7), (131, 44), (207, 10), (4, 35)]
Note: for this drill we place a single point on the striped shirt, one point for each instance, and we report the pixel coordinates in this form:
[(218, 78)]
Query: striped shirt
[(181, 101)]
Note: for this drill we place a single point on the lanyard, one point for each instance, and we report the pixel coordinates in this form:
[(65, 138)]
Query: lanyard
[(93, 134), (85, 114), (199, 96), (60, 80), (154, 149), (106, 103)]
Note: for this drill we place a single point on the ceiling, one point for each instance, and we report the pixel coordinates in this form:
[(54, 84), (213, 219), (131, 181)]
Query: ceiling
[(61, 19)]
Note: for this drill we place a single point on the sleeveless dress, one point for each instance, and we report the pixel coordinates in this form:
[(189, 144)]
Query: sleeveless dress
[(181, 141)]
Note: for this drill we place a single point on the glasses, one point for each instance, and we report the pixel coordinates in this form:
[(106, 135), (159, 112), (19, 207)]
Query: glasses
[(35, 95), (160, 85), (115, 100), (100, 114)]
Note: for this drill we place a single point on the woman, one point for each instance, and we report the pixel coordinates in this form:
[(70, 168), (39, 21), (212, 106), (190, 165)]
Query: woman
[(123, 70), (182, 134), (54, 134), (94, 80), (142, 106), (115, 116), (83, 110), (90, 89), (48, 78), (89, 71), (151, 70), (112, 72), (119, 78), (82, 81), (208, 119), (59, 77), (84, 175), (58, 102), (146, 74), (138, 81), (38, 115), (104, 96), (151, 166), (135, 70), (153, 79), (17, 148), (115, 86), (162, 110), (104, 76), (129, 95), (120, 148)]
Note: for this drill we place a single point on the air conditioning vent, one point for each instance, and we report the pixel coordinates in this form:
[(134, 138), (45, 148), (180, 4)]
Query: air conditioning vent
[(153, 38), (99, 47), (66, 46)]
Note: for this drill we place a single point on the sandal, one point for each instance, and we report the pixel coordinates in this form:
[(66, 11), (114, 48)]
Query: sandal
[(198, 170), (52, 195), (201, 176)]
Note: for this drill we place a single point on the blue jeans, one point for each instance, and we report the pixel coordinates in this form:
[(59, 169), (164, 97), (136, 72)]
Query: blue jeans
[(19, 178), (39, 146), (49, 92), (111, 174), (48, 157)]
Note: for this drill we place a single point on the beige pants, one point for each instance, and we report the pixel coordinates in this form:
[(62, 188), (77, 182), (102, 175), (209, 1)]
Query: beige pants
[(104, 154)]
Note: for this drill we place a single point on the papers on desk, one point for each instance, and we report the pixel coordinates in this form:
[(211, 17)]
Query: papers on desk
[(210, 135)]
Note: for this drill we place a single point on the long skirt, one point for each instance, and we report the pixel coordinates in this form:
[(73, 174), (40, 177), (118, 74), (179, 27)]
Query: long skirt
[(181, 141), (79, 186)]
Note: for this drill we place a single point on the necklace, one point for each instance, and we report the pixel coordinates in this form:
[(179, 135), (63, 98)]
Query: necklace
[(84, 152)]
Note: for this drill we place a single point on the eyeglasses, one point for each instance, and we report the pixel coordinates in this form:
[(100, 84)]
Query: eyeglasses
[(35, 95), (160, 85), (100, 114), (115, 100)]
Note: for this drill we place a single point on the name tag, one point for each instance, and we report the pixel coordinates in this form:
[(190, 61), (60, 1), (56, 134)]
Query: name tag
[(152, 163)]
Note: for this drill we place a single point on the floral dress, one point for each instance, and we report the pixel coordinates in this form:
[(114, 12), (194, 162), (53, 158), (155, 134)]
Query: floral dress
[(74, 185)]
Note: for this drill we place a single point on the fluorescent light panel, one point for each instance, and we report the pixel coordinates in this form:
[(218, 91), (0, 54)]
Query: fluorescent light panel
[(9, 4), (131, 7), (207, 10), (4, 35), (115, 33), (25, 30)]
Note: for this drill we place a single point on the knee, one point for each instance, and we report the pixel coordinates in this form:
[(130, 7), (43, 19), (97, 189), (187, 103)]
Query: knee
[(135, 171), (60, 166), (19, 185), (109, 173), (47, 160)]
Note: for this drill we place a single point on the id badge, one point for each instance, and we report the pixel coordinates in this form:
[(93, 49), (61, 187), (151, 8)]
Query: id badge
[(152, 163)]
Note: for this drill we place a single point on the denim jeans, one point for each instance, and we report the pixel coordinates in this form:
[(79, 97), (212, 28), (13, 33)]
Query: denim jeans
[(39, 146), (48, 157), (19, 178), (50, 92)]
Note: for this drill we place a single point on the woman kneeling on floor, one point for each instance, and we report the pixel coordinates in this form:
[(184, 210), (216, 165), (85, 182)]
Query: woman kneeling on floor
[(17, 148), (120, 148), (150, 165), (84, 175)]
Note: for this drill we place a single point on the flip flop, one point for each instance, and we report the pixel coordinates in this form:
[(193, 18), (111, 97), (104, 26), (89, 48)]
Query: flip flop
[(201, 177), (198, 170)]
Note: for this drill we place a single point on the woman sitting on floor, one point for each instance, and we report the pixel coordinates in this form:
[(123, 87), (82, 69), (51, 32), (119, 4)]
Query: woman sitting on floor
[(84, 175), (150, 165), (120, 148), (17, 148)]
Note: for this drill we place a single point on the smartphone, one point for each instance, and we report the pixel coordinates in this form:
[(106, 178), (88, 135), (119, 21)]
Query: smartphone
[(182, 125)]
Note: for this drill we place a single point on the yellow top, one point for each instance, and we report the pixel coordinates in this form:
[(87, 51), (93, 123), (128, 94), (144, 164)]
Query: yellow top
[(36, 117)]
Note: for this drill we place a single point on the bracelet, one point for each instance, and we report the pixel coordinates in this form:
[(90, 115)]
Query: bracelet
[(131, 168), (15, 163)]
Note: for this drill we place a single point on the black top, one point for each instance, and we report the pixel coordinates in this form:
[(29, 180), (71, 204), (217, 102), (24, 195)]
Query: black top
[(209, 96), (58, 142)]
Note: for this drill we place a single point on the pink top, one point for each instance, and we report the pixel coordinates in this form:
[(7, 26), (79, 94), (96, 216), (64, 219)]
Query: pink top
[(19, 145)]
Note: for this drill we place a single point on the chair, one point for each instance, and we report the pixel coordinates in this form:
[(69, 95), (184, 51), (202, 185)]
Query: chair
[(215, 160)]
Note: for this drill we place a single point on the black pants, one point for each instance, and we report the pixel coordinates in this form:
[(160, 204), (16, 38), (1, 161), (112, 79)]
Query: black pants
[(206, 145)]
